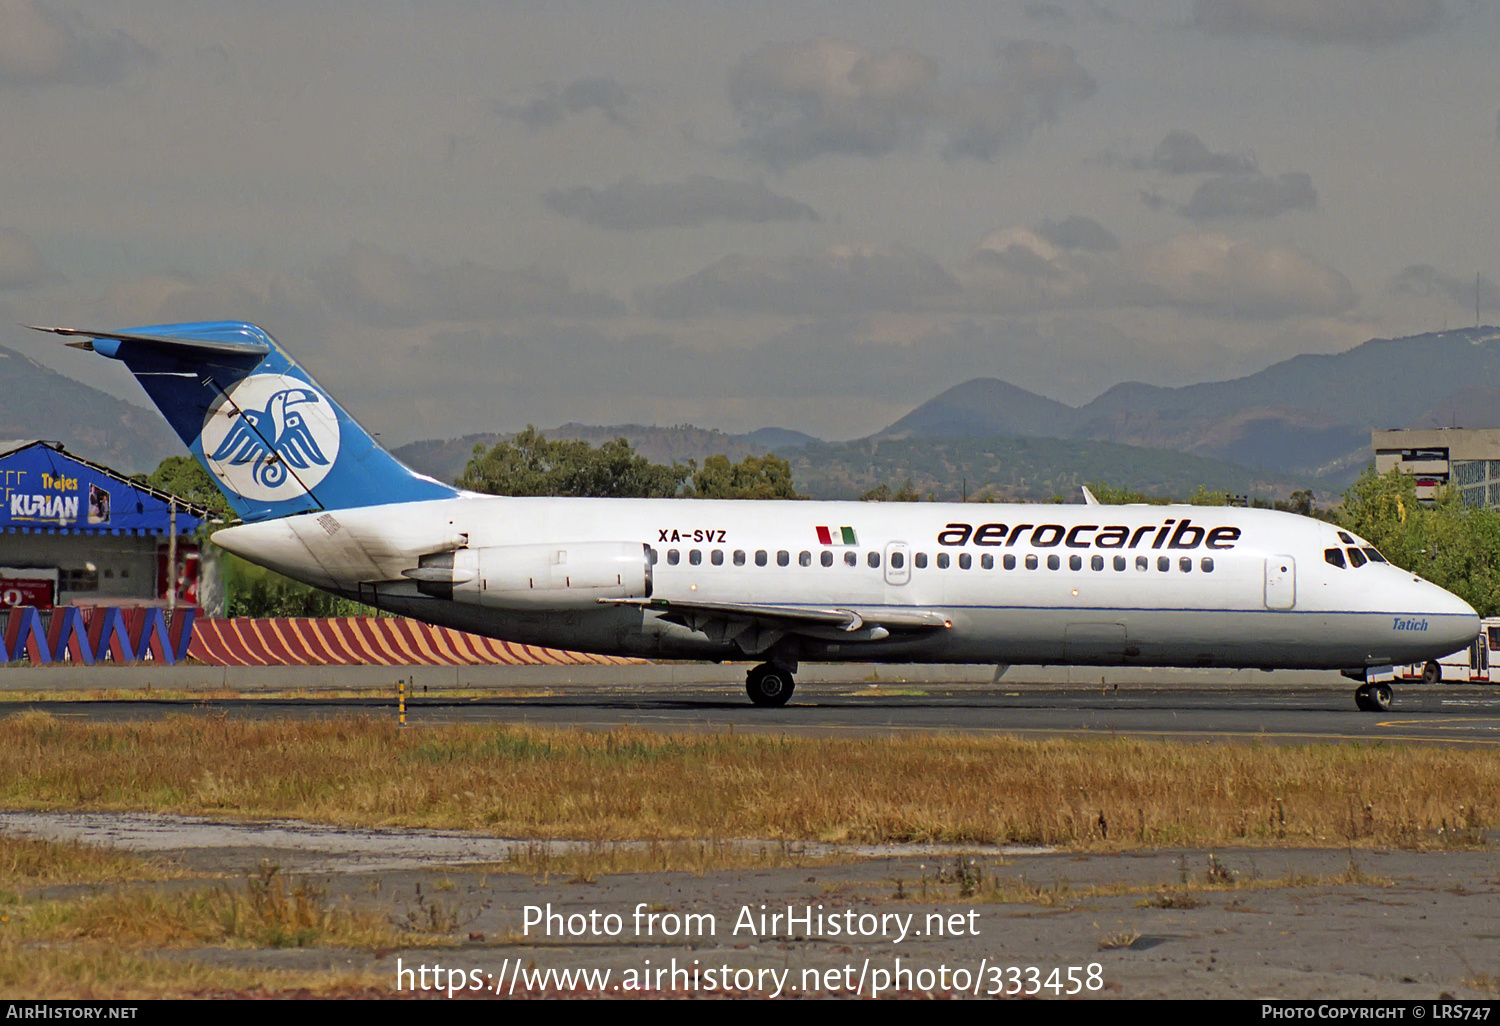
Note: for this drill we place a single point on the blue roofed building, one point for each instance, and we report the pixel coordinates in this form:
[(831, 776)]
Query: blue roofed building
[(74, 532)]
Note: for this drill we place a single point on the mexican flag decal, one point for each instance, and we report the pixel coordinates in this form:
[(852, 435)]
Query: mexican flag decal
[(837, 536)]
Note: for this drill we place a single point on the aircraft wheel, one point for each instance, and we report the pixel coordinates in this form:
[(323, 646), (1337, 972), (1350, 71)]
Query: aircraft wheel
[(1373, 697), (769, 685), (1432, 673)]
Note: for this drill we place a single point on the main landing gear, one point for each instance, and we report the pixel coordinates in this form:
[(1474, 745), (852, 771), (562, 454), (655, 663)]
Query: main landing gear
[(1375, 697), (769, 684)]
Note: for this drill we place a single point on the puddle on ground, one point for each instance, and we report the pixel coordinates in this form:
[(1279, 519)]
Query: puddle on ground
[(317, 848)]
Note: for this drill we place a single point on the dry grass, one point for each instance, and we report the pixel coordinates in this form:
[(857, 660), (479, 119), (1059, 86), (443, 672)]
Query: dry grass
[(414, 695), (267, 912), (94, 971), (629, 784), (29, 862), (965, 879)]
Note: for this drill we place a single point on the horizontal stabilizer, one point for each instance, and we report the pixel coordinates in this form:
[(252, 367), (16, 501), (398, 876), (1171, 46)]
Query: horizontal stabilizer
[(204, 345)]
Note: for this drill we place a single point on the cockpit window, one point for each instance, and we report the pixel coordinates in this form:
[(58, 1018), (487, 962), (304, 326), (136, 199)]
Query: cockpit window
[(1334, 557), (1357, 558), (1346, 538), (1374, 554)]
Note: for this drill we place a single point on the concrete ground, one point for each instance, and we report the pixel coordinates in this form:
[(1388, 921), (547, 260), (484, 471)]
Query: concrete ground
[(1283, 923)]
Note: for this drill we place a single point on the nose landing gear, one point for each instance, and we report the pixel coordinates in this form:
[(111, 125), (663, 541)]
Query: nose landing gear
[(1375, 697), (769, 685)]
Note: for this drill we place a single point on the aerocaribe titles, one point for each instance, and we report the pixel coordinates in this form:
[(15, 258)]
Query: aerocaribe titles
[(1170, 534)]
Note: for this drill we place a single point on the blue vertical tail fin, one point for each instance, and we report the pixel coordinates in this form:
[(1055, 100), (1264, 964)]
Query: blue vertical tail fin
[(273, 440)]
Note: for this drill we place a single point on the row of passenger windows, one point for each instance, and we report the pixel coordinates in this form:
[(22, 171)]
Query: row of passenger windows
[(943, 560)]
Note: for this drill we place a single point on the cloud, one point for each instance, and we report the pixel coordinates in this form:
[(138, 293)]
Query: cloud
[(1036, 81), (1183, 153), (1018, 271), (1426, 280), (1076, 232), (21, 263), (1216, 274), (1252, 197), (40, 47), (800, 101), (271, 299), (835, 281), (551, 104), (630, 204), (1363, 22), (1046, 12), (383, 288)]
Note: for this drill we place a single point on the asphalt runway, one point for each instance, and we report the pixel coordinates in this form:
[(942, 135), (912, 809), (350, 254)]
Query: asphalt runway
[(1448, 714)]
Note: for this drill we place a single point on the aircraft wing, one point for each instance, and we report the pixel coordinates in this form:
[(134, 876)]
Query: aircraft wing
[(755, 627)]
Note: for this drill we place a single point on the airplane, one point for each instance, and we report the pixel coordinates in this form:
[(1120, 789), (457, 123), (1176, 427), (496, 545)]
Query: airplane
[(783, 582)]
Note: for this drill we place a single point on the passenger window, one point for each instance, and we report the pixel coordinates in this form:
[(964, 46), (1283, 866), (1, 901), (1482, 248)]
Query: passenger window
[(1075, 562), (874, 560), (783, 557), (739, 557), (965, 561), (851, 558), (1119, 562), (651, 556), (920, 560), (827, 557), (760, 557), (1053, 563), (1031, 562), (673, 557), (1185, 564), (1357, 558), (1163, 563), (897, 561), (695, 557), (942, 560), (1373, 553), (1334, 557), (1207, 563), (987, 561), (1010, 561), (716, 557), (1097, 562), (1142, 563), (804, 558)]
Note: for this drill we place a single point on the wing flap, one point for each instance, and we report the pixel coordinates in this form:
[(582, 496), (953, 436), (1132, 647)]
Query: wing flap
[(791, 617)]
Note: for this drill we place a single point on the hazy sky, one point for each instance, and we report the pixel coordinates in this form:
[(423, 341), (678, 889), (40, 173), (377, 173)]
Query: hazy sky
[(471, 216)]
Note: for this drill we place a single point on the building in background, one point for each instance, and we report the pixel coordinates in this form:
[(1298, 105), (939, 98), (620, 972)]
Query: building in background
[(1468, 460), (73, 532)]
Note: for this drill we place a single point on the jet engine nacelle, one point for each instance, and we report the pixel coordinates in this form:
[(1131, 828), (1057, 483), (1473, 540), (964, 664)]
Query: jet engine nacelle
[(560, 575)]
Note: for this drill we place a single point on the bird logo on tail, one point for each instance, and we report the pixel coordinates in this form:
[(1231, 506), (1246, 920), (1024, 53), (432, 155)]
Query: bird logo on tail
[(271, 437)]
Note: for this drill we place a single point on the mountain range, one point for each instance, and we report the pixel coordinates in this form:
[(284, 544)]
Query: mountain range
[(39, 403), (1303, 422)]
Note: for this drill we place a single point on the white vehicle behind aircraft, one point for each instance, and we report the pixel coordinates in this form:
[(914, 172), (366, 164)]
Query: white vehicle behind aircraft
[(781, 582), (1470, 665)]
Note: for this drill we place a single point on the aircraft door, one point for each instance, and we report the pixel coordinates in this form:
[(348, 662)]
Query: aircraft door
[(1281, 582), (897, 563)]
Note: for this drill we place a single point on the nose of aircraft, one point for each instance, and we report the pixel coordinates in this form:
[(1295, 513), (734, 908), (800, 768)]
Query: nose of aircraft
[(1455, 623)]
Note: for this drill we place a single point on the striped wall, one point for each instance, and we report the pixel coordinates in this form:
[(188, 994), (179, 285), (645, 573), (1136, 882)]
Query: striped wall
[(364, 641)]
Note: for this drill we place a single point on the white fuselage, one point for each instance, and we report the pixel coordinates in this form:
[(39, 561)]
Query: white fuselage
[(1094, 584)]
